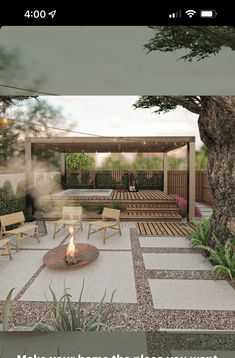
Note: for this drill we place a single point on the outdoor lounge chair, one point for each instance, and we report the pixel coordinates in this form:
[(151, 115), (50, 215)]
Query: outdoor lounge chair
[(103, 225), (71, 216), (7, 252), (21, 232)]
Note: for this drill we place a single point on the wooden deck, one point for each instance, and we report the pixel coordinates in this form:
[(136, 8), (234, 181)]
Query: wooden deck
[(144, 205), (164, 228)]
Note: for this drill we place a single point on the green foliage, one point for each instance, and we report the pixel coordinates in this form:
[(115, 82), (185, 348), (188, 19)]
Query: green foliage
[(166, 104), (99, 208), (201, 41), (115, 161), (79, 161), (119, 206), (4, 324), (13, 134), (143, 162), (155, 182), (67, 317), (7, 189), (200, 235), (223, 256), (105, 180), (10, 203)]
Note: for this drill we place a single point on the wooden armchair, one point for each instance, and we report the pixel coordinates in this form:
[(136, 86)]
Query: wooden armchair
[(71, 216), (103, 225), (21, 232)]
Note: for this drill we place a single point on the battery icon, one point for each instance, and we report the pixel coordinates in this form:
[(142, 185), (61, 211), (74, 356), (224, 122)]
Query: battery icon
[(208, 13)]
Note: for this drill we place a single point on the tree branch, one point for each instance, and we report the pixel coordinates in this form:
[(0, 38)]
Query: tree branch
[(191, 106)]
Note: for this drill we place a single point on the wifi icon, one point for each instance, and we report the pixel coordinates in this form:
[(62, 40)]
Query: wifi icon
[(190, 13)]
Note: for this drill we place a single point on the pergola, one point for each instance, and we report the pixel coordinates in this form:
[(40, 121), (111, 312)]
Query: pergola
[(114, 145)]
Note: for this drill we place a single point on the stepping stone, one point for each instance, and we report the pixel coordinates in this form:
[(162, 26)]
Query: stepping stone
[(176, 261), (192, 295), (165, 241), (16, 273)]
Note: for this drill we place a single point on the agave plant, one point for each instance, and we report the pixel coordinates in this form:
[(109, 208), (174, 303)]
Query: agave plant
[(4, 324), (66, 317), (223, 256), (199, 235)]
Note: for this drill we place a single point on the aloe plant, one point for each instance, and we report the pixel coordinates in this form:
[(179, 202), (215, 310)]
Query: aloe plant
[(199, 235), (223, 256)]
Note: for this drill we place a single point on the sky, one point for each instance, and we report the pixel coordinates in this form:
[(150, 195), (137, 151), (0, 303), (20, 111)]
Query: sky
[(116, 116)]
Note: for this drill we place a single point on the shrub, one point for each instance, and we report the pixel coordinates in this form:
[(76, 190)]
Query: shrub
[(119, 206), (10, 203), (99, 208), (200, 235), (182, 205), (7, 189), (223, 256)]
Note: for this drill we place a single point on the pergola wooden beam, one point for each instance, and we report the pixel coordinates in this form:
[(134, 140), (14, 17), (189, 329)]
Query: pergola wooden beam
[(165, 172), (112, 144), (191, 180)]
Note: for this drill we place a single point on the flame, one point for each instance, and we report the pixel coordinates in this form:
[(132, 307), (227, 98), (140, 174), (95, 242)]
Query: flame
[(71, 249), (71, 231)]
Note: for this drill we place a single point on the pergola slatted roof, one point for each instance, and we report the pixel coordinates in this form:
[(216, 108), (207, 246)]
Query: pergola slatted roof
[(112, 144)]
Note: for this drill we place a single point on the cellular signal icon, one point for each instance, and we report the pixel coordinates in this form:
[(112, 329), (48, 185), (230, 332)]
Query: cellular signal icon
[(175, 15)]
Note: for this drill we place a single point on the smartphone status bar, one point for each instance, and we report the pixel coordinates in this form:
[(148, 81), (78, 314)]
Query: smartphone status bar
[(144, 16)]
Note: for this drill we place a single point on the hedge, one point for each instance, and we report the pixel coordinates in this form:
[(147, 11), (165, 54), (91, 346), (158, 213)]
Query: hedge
[(10, 203)]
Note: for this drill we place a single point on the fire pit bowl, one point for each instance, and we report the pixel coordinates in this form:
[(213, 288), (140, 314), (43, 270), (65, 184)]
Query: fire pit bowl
[(56, 258)]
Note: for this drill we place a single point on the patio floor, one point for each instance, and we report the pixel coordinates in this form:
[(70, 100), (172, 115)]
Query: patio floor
[(160, 282)]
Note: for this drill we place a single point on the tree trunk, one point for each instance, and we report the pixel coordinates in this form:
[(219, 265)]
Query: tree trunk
[(217, 129)]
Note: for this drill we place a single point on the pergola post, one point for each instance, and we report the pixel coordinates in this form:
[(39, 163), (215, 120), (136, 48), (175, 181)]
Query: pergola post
[(191, 180), (165, 172), (62, 168), (29, 180)]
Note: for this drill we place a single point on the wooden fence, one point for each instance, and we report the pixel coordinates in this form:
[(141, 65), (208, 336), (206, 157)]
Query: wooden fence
[(177, 184)]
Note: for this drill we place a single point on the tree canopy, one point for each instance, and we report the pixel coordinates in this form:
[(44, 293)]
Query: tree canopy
[(200, 41), (80, 161), (12, 134)]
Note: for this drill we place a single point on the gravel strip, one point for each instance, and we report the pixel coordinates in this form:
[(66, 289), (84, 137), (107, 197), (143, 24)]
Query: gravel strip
[(180, 275), (170, 250), (26, 286)]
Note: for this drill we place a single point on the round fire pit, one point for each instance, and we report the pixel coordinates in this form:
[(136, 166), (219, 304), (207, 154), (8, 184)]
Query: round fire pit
[(55, 258)]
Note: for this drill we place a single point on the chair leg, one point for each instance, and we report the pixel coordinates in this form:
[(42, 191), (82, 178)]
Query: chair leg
[(17, 243), (9, 250), (36, 234), (89, 230), (104, 234), (54, 231), (119, 229)]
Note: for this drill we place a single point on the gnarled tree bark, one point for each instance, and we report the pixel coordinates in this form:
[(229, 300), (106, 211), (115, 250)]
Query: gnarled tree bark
[(217, 129)]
